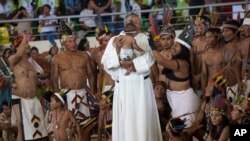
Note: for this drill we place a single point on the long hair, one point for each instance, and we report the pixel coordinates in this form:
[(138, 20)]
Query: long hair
[(216, 130), (184, 54)]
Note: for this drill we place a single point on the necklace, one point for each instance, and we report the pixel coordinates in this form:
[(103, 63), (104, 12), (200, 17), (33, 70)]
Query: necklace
[(58, 122)]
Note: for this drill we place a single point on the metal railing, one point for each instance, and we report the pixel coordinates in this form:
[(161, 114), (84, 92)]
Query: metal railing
[(70, 17)]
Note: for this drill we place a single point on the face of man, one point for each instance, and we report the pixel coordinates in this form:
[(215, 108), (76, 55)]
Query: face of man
[(104, 41), (211, 38), (199, 28), (137, 22), (70, 44), (228, 34), (7, 110), (34, 54), (245, 31), (46, 11), (166, 41)]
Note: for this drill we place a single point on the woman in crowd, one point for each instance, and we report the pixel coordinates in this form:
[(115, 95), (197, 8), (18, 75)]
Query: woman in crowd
[(177, 71)]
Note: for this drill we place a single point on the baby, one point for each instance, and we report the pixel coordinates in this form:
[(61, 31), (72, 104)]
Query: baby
[(127, 52)]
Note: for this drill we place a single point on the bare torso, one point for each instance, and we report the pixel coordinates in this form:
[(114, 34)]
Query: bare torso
[(60, 121), (199, 47), (244, 49), (213, 59), (72, 68), (26, 79), (108, 80), (230, 57)]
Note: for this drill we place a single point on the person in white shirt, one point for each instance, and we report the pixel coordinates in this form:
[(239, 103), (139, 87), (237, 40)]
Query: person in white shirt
[(6, 8), (48, 27), (87, 23)]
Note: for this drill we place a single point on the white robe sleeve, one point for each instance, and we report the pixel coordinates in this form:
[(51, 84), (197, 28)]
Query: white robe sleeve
[(143, 63), (110, 60)]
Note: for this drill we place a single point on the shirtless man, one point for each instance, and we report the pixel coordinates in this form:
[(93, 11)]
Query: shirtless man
[(167, 37), (73, 68), (232, 73), (212, 59), (63, 121), (104, 80), (27, 110), (244, 52), (202, 23)]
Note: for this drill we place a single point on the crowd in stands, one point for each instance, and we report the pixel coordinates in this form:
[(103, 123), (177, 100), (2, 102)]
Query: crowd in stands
[(21, 9)]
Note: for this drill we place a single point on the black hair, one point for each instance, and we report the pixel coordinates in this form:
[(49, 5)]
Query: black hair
[(47, 95), (57, 99), (205, 20), (233, 22), (184, 54), (21, 8), (215, 131), (5, 51), (83, 44), (48, 6), (34, 48), (215, 31), (5, 103)]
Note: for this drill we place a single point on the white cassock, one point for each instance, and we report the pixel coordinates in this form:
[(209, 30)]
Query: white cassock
[(135, 115)]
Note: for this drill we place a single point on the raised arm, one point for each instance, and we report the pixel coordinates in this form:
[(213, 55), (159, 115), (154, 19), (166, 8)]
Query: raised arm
[(14, 59), (54, 74), (170, 64)]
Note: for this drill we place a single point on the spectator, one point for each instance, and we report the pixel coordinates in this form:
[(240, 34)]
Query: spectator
[(87, 23), (195, 11), (137, 7), (183, 13), (53, 3), (28, 5), (23, 26), (6, 8), (104, 6), (48, 27), (73, 7)]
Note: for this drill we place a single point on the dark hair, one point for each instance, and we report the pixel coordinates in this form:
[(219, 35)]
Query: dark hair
[(233, 22), (5, 103), (215, 131), (184, 54), (21, 8), (48, 6), (215, 31), (83, 44), (56, 98), (5, 51), (34, 48), (205, 20)]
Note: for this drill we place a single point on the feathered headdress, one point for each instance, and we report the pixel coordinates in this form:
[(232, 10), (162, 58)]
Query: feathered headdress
[(186, 37), (65, 31), (219, 104), (101, 29), (166, 29), (240, 100)]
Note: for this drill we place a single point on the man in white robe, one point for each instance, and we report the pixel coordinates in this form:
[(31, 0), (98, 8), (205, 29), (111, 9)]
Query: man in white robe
[(135, 115)]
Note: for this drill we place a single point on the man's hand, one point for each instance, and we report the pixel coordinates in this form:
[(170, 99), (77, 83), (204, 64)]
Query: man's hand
[(126, 64), (122, 40)]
